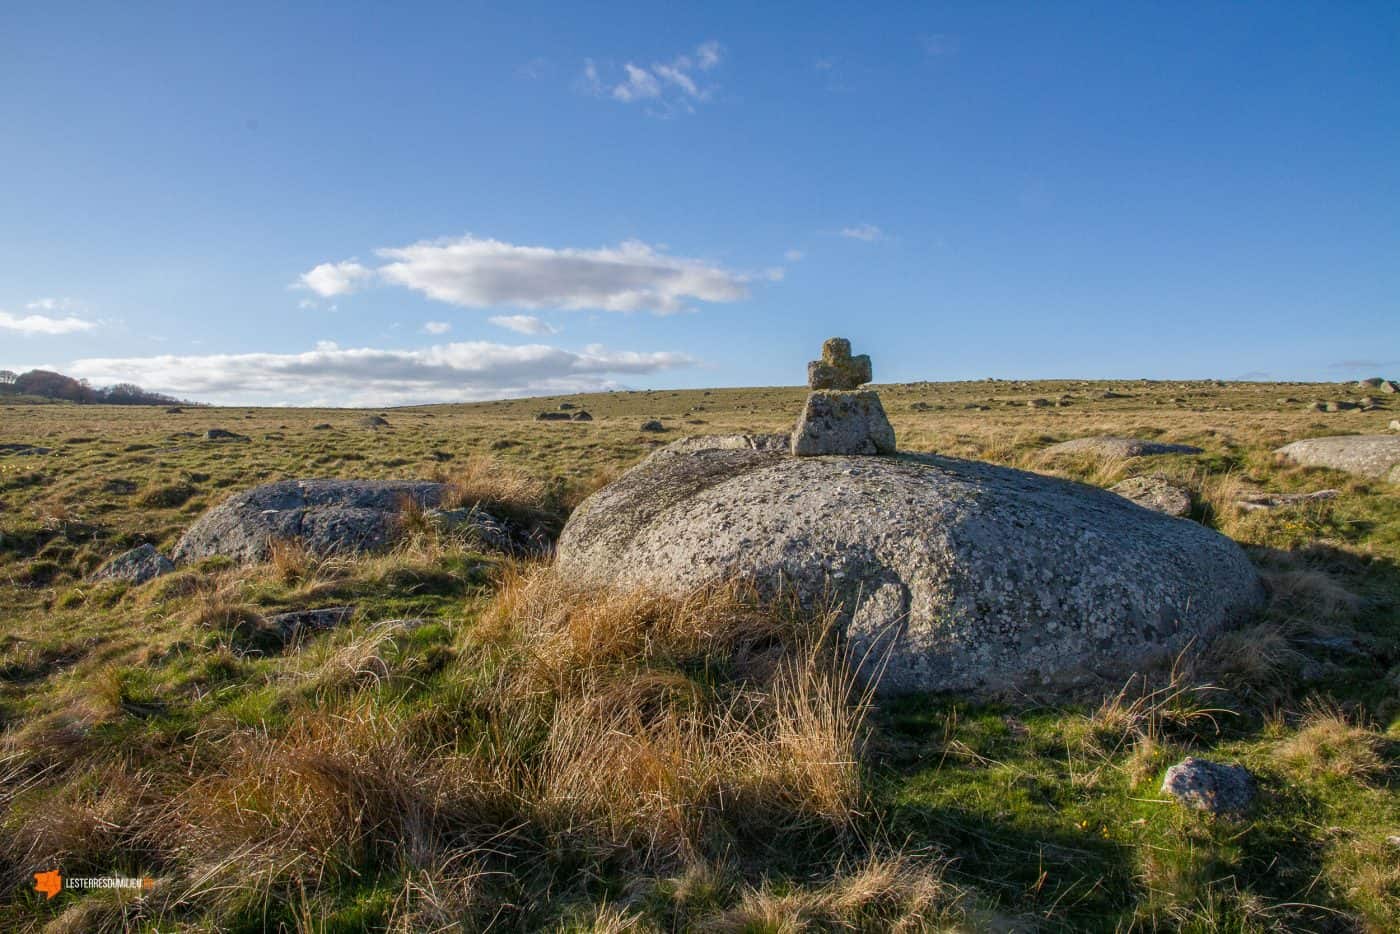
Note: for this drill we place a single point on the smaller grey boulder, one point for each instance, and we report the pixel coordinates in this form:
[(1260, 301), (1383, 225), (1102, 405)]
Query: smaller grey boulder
[(1338, 406), (566, 406), (223, 434), (552, 417), (580, 416), (1373, 382), (1256, 502), (1395, 424), (136, 566), (373, 421), (291, 626), (1156, 493), (1210, 786), (1375, 456), (651, 425), (1110, 446), (838, 422), (474, 523)]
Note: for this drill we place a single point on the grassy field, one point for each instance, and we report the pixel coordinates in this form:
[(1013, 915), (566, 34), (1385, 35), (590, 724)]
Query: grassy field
[(486, 746)]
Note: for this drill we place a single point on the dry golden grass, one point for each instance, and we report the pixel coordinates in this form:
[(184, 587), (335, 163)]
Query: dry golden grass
[(485, 481), (885, 894), (1330, 743)]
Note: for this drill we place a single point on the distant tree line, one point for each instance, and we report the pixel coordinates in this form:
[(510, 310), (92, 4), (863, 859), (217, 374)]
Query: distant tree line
[(50, 385)]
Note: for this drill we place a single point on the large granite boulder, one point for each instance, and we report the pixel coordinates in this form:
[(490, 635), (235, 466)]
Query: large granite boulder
[(1368, 455), (951, 574), (1109, 446), (331, 517)]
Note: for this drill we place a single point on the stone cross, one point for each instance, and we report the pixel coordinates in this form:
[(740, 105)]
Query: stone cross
[(840, 418), (837, 369)]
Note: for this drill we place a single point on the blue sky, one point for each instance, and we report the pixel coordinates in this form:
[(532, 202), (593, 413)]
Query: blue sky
[(413, 202)]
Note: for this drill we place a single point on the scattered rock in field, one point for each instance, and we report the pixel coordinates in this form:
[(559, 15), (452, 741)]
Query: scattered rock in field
[(477, 523), (966, 576), (837, 369), (373, 421), (1317, 407), (500, 444), (298, 623), (843, 423), (837, 418), (22, 450), (1038, 403), (327, 517), (1210, 786), (223, 434), (552, 417), (174, 410), (136, 566), (1255, 502), (920, 407), (581, 416), (1395, 424), (1389, 386), (1156, 493), (651, 425), (1110, 394), (323, 426), (1367, 455), (566, 406), (1339, 406), (1108, 446), (1373, 382)]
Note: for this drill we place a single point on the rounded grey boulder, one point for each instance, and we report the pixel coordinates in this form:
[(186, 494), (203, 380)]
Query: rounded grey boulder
[(326, 516), (949, 574), (335, 517), (1368, 455)]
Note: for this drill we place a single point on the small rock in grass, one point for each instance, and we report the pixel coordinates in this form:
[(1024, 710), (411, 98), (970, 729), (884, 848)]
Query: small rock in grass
[(136, 566), (651, 425), (1155, 493), (299, 622), (1210, 786)]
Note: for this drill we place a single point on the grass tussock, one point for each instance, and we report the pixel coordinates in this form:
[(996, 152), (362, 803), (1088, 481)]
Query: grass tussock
[(1329, 743)]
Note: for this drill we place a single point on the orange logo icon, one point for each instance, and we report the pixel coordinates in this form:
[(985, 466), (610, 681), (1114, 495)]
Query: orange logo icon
[(48, 883)]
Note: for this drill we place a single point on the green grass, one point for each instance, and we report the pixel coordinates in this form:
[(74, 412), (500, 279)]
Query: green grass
[(157, 729)]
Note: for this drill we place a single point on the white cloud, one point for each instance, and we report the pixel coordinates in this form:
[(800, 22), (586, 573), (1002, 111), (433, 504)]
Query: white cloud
[(53, 304), (44, 324), (523, 324), (670, 86), (794, 256), (865, 232), (332, 375), (436, 327), (479, 273), (331, 279)]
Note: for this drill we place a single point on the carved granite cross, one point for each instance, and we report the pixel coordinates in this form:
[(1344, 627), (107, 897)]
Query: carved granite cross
[(837, 369)]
